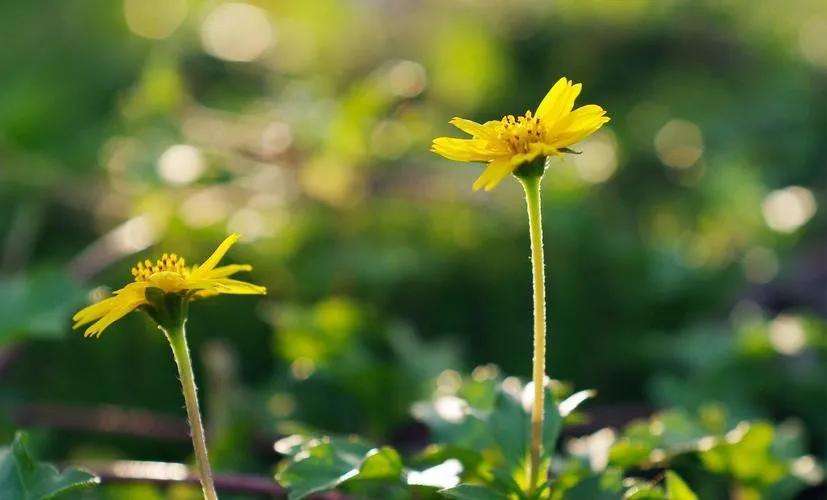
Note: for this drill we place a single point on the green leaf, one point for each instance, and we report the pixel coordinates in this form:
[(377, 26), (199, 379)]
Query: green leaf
[(328, 463), (468, 432), (472, 492), (506, 482), (382, 463), (643, 490), (627, 452), (677, 489), (444, 475), (508, 424), (321, 466), (746, 454), (21, 477), (38, 304), (592, 488), (552, 424)]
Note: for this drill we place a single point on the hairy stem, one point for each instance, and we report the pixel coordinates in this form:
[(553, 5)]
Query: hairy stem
[(531, 185), (180, 350)]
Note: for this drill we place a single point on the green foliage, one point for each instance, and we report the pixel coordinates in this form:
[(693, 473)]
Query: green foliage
[(758, 363), (489, 440), (383, 268), (340, 348), (677, 489), (327, 464), (472, 492), (36, 305), (480, 423), (316, 465), (756, 456), (747, 457), (23, 478)]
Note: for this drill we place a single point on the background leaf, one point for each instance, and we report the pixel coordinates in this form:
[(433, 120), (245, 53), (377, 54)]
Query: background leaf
[(37, 304), (677, 489), (472, 492), (23, 478)]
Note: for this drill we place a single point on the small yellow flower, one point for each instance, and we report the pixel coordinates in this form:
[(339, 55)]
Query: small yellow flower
[(170, 275), (511, 142)]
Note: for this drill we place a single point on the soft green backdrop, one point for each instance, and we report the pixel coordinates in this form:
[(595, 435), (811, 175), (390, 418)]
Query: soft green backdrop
[(685, 245)]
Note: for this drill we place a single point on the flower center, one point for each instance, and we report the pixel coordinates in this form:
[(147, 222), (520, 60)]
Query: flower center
[(167, 263), (521, 131)]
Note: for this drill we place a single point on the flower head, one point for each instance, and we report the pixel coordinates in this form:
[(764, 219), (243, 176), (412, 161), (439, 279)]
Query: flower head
[(167, 275), (513, 141)]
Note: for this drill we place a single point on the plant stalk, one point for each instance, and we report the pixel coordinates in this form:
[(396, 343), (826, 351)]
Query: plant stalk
[(531, 185), (180, 350)]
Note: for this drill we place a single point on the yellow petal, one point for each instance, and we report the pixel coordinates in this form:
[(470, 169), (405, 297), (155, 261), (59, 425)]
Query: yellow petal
[(570, 137), (203, 294), (216, 256), (132, 291), (94, 311), (552, 98), (231, 286), (558, 102), (224, 271), (468, 149), (575, 119), (487, 131), (124, 307), (496, 171)]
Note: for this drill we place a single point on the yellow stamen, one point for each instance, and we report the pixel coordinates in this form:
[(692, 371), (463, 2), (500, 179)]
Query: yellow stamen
[(167, 263), (521, 131)]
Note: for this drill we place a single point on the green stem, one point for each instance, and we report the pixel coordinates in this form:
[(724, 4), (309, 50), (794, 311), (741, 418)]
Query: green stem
[(180, 350), (531, 185)]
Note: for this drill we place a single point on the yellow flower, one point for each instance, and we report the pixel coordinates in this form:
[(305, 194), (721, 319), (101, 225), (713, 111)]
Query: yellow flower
[(511, 142), (170, 275)]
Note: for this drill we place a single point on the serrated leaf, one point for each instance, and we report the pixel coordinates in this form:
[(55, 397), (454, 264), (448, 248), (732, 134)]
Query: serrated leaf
[(677, 489), (472, 492), (23, 478), (322, 467), (326, 464)]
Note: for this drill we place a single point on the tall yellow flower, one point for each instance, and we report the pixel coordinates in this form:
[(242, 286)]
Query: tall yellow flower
[(169, 275), (512, 142), (520, 146)]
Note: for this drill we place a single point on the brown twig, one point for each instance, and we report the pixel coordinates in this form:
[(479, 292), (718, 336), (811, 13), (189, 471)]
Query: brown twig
[(101, 419), (110, 419), (169, 473)]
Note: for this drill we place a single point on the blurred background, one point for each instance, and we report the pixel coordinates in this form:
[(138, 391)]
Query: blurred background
[(686, 244)]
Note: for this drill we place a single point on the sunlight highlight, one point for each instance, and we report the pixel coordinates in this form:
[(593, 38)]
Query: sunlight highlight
[(679, 144), (786, 210), (237, 32)]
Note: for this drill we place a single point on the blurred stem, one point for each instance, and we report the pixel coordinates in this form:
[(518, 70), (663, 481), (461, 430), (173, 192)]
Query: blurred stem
[(531, 185), (180, 350), (21, 237)]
